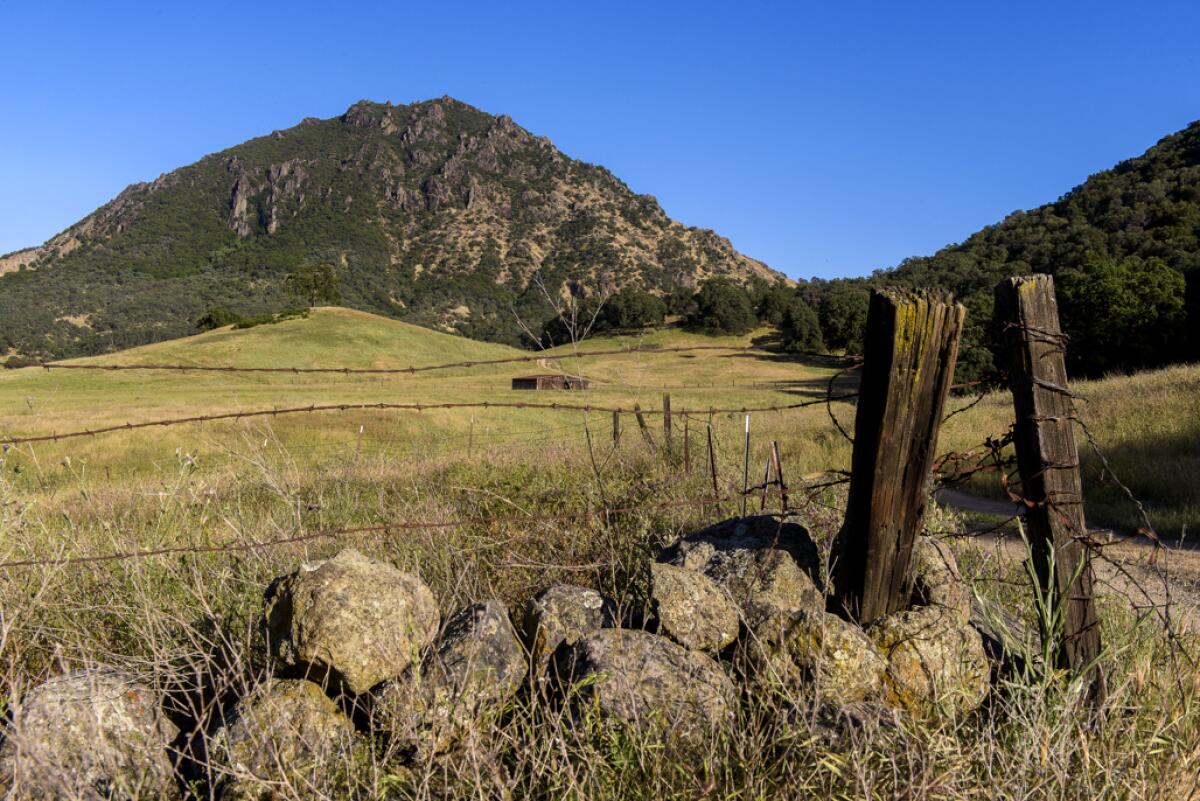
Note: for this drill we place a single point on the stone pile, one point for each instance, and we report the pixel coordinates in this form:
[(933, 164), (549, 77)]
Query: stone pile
[(361, 655)]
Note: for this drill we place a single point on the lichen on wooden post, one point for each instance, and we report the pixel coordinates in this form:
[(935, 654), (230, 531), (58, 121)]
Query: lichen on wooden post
[(1048, 461), (911, 347)]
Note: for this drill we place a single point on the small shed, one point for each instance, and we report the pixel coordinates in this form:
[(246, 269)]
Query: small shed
[(550, 381)]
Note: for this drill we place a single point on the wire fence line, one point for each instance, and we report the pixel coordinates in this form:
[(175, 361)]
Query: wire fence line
[(414, 407), (379, 528), (194, 368)]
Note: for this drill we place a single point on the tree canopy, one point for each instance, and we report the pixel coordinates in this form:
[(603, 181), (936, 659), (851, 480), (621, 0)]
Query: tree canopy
[(722, 307)]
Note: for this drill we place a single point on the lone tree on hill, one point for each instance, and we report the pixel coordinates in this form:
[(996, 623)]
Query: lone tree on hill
[(313, 284)]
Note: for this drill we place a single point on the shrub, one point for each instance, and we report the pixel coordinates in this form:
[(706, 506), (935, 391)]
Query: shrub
[(217, 317)]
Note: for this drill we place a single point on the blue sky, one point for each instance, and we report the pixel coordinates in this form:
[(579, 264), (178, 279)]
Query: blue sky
[(825, 139)]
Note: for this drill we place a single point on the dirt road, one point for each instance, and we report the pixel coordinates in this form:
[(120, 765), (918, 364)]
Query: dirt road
[(1147, 576)]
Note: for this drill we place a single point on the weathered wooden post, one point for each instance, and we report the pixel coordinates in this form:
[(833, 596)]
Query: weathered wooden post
[(777, 460), (712, 462), (616, 427), (687, 452), (911, 347), (1048, 461), (667, 422), (641, 421)]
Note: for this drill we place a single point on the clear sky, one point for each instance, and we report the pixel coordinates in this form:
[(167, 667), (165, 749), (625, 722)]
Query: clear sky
[(823, 138)]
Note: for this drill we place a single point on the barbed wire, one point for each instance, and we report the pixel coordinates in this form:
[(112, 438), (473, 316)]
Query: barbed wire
[(379, 528), (195, 368), (417, 407)]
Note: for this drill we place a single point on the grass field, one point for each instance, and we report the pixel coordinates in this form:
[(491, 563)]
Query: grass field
[(1147, 425), (185, 617)]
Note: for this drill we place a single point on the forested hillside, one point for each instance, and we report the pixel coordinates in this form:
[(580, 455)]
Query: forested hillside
[(1124, 248)]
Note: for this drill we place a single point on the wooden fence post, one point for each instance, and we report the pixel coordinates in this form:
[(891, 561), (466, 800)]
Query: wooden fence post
[(911, 346), (777, 460), (712, 461), (667, 422), (616, 428), (746, 466), (687, 453), (641, 421), (1048, 461)]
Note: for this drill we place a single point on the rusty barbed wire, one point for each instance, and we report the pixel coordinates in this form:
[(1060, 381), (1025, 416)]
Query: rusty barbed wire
[(379, 528), (416, 407), (394, 370)]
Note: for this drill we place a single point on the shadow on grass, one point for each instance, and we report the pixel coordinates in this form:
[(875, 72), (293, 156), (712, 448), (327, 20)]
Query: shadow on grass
[(1162, 471)]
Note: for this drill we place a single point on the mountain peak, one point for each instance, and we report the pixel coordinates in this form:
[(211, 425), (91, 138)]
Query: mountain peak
[(435, 212)]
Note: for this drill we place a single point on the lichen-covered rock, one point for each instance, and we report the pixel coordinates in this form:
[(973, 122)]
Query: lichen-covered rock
[(476, 667), (561, 613), (350, 619), (637, 679), (767, 566), (287, 729), (89, 734), (935, 663), (817, 654), (937, 581), (691, 608)]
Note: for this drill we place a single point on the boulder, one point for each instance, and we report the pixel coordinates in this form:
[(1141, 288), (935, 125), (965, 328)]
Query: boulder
[(692, 609), (766, 565), (820, 655), (937, 581), (89, 734), (477, 666), (934, 662), (634, 678), (562, 613), (349, 620), (285, 729)]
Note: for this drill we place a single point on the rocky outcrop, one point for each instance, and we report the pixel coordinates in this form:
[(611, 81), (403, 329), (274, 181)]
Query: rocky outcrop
[(692, 609), (240, 217), (634, 678), (349, 620), (89, 734), (287, 730), (285, 186), (262, 198), (476, 666)]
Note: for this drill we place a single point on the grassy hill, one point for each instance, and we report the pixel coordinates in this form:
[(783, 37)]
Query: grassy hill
[(436, 212), (37, 401), (329, 336)]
